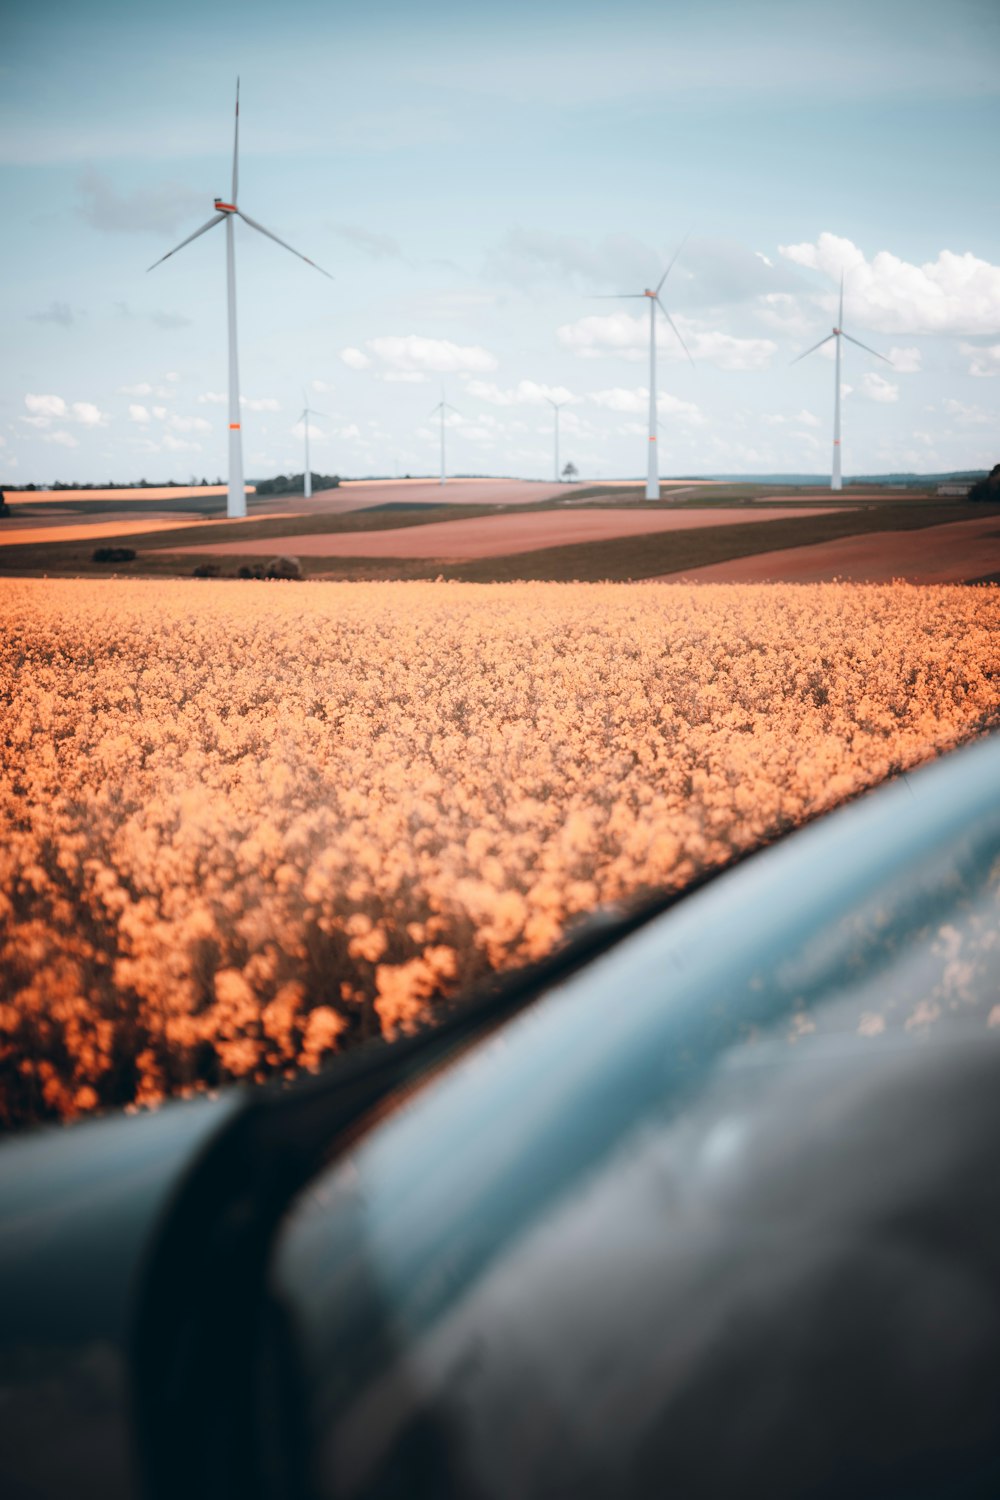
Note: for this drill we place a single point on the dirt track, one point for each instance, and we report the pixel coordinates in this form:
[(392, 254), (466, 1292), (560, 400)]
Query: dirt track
[(953, 553), (500, 536)]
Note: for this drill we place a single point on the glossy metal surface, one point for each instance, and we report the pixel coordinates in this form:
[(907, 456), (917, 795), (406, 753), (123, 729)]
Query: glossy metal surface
[(718, 1215), (79, 1208)]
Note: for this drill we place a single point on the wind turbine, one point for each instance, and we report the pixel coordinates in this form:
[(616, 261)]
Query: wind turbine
[(557, 407), (236, 504), (653, 468), (442, 407), (307, 412), (838, 334)]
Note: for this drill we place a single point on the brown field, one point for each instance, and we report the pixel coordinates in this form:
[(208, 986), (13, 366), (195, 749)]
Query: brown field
[(948, 554), (71, 529), (165, 492), (501, 536), (245, 827)]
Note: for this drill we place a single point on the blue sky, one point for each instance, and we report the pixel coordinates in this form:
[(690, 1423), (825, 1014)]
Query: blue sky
[(472, 181)]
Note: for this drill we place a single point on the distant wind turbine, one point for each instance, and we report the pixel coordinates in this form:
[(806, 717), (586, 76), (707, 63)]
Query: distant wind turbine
[(557, 407), (442, 407), (307, 412), (653, 468), (236, 504), (838, 334)]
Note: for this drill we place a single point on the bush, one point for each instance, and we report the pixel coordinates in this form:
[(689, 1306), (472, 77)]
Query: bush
[(207, 570), (294, 484), (284, 567), (113, 554)]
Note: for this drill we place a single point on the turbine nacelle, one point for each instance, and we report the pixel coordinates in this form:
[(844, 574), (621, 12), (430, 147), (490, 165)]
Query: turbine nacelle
[(225, 208)]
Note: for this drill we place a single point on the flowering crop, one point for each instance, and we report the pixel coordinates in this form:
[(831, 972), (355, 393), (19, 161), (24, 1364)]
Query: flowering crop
[(244, 827)]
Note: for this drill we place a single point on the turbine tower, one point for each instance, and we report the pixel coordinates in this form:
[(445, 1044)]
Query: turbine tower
[(442, 407), (838, 334), (236, 504), (307, 412), (653, 467), (557, 407)]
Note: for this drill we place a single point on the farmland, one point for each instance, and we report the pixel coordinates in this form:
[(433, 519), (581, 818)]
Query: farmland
[(487, 530), (245, 827)]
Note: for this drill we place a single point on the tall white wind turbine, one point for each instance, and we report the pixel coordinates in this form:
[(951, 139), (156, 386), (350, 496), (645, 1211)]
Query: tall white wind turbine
[(557, 407), (838, 334), (653, 467), (443, 406), (307, 412), (236, 504)]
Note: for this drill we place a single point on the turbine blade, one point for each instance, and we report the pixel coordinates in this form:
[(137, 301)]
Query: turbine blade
[(673, 325), (236, 145), (865, 347), (216, 219), (814, 348), (261, 230), (840, 319), (667, 272)]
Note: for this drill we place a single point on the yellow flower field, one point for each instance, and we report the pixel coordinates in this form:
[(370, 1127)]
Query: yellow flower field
[(244, 826)]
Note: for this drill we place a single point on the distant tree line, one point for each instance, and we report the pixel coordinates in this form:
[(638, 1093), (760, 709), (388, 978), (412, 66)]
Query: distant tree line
[(294, 484)]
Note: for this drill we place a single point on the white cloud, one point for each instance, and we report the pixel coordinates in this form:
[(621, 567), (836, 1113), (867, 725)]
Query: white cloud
[(322, 386), (63, 439), (760, 256), (526, 392), (437, 356), (179, 445), (784, 312), (635, 402), (137, 413), (160, 413), (619, 333), (905, 361), (954, 294), (969, 416), (46, 406), (186, 424), (260, 403), (807, 418), (211, 398), (985, 359), (171, 375), (142, 389), (876, 388), (411, 377), (355, 359), (88, 415)]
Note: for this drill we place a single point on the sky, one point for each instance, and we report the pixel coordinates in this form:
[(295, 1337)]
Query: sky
[(474, 180)]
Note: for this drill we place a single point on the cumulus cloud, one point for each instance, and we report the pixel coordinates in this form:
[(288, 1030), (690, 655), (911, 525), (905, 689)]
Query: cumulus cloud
[(62, 438), (355, 359), (260, 403), (410, 377), (634, 401), (969, 416), (212, 398), (89, 415), (159, 209), (877, 388), (804, 418), (137, 412), (435, 356), (525, 393), (955, 294), (179, 445), (186, 424), (142, 389), (45, 406), (45, 409), (56, 312), (619, 333), (905, 361), (985, 359)]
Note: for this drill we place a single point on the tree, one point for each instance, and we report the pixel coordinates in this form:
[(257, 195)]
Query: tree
[(570, 472), (988, 488)]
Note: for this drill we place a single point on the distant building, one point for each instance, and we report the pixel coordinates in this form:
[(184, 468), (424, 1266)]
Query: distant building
[(953, 488)]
